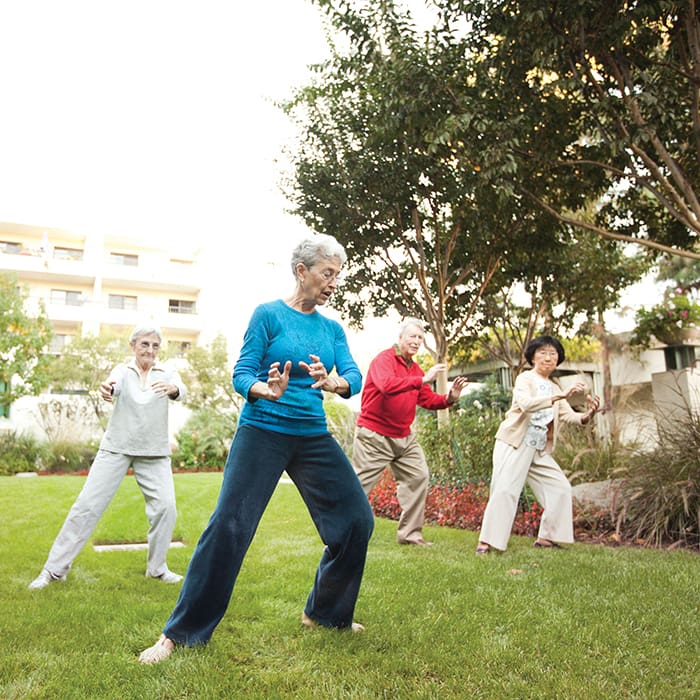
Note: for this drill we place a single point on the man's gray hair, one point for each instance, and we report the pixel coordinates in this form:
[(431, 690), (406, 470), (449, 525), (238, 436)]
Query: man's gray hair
[(319, 247), (408, 322), (145, 329)]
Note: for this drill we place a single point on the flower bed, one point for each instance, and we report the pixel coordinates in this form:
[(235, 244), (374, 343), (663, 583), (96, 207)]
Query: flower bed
[(463, 507), (450, 506)]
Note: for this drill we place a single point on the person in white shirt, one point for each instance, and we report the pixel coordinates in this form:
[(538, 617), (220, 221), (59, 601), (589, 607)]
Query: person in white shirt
[(136, 437)]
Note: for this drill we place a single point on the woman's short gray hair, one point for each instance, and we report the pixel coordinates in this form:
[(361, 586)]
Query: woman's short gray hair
[(408, 322), (145, 329), (319, 247)]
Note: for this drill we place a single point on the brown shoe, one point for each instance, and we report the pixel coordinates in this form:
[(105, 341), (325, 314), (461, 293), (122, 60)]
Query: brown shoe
[(419, 543)]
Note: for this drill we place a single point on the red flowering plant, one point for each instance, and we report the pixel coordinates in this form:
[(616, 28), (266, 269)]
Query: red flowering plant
[(451, 506)]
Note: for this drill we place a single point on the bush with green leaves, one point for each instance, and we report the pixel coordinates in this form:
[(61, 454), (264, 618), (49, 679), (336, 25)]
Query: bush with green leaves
[(63, 456), (204, 440), (460, 452), (341, 422), (19, 452)]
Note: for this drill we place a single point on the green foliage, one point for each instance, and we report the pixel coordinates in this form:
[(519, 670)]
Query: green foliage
[(84, 364), (208, 379), (600, 101), (23, 338), (581, 348), (341, 421), (405, 156), (65, 457), (667, 320), (19, 452), (584, 458), (203, 442), (459, 452)]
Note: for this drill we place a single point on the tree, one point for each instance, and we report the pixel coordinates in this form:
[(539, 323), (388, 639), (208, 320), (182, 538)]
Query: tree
[(424, 236), (23, 341), (208, 379), (84, 364), (427, 229), (602, 93)]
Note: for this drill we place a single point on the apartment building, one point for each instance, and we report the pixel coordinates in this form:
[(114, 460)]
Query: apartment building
[(94, 284)]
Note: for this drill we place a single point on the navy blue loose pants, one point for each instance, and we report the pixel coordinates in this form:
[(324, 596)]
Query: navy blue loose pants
[(337, 504)]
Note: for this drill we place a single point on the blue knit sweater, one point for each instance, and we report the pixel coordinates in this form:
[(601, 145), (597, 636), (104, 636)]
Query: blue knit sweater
[(277, 333)]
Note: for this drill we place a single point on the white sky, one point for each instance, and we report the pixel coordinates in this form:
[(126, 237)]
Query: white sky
[(154, 118)]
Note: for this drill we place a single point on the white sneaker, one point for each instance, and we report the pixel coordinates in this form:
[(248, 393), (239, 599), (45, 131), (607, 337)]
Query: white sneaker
[(160, 651), (44, 579), (166, 577)]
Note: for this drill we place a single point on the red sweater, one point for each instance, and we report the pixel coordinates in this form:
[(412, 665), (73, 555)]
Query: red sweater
[(393, 388)]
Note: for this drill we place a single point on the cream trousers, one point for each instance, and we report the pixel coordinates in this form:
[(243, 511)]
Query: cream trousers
[(512, 467), (372, 453)]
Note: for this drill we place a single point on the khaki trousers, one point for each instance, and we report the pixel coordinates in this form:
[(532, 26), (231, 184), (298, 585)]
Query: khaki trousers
[(155, 479), (372, 453), (512, 467)]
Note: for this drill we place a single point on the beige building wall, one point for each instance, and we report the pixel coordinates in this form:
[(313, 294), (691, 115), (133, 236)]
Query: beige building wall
[(93, 284)]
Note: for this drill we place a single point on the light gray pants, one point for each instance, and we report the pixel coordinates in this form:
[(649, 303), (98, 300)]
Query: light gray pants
[(155, 479), (372, 453), (512, 467)]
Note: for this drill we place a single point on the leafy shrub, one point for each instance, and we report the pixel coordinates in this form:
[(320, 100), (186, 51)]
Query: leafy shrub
[(67, 457), (459, 452), (666, 320), (19, 452), (341, 422), (203, 442)]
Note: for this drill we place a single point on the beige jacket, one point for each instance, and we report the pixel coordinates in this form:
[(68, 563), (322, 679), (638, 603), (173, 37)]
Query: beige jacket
[(526, 402)]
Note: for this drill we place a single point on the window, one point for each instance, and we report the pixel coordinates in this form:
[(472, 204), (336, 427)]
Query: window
[(180, 306), (124, 259), (58, 343), (10, 247), (181, 348), (65, 297), (121, 301), (60, 253)]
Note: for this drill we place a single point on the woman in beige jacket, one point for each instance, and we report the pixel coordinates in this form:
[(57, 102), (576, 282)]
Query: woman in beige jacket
[(523, 450)]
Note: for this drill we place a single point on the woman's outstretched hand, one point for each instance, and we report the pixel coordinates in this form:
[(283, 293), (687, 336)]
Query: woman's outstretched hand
[(277, 381), (316, 371)]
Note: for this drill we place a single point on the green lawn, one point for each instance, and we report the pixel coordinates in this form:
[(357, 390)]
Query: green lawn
[(587, 622)]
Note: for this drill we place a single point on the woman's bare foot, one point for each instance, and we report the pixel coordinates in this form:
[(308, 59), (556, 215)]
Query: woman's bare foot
[(160, 651), (308, 622)]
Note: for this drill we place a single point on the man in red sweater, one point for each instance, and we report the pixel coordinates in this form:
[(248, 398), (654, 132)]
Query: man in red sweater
[(394, 386)]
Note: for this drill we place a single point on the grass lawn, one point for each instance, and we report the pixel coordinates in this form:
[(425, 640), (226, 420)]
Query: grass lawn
[(587, 622)]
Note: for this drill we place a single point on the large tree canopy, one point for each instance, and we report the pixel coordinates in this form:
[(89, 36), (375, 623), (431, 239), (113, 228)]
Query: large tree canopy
[(431, 222), (596, 92)]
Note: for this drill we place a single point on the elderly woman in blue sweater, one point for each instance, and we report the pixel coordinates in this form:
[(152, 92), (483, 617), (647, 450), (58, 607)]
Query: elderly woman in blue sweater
[(286, 363)]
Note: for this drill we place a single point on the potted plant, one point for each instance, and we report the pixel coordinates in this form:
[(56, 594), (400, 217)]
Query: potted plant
[(673, 321)]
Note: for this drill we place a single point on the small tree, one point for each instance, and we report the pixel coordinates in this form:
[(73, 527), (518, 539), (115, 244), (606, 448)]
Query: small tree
[(84, 364), (23, 339)]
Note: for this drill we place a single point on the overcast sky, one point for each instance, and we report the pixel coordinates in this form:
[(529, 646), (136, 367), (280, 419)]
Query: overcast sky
[(155, 118)]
